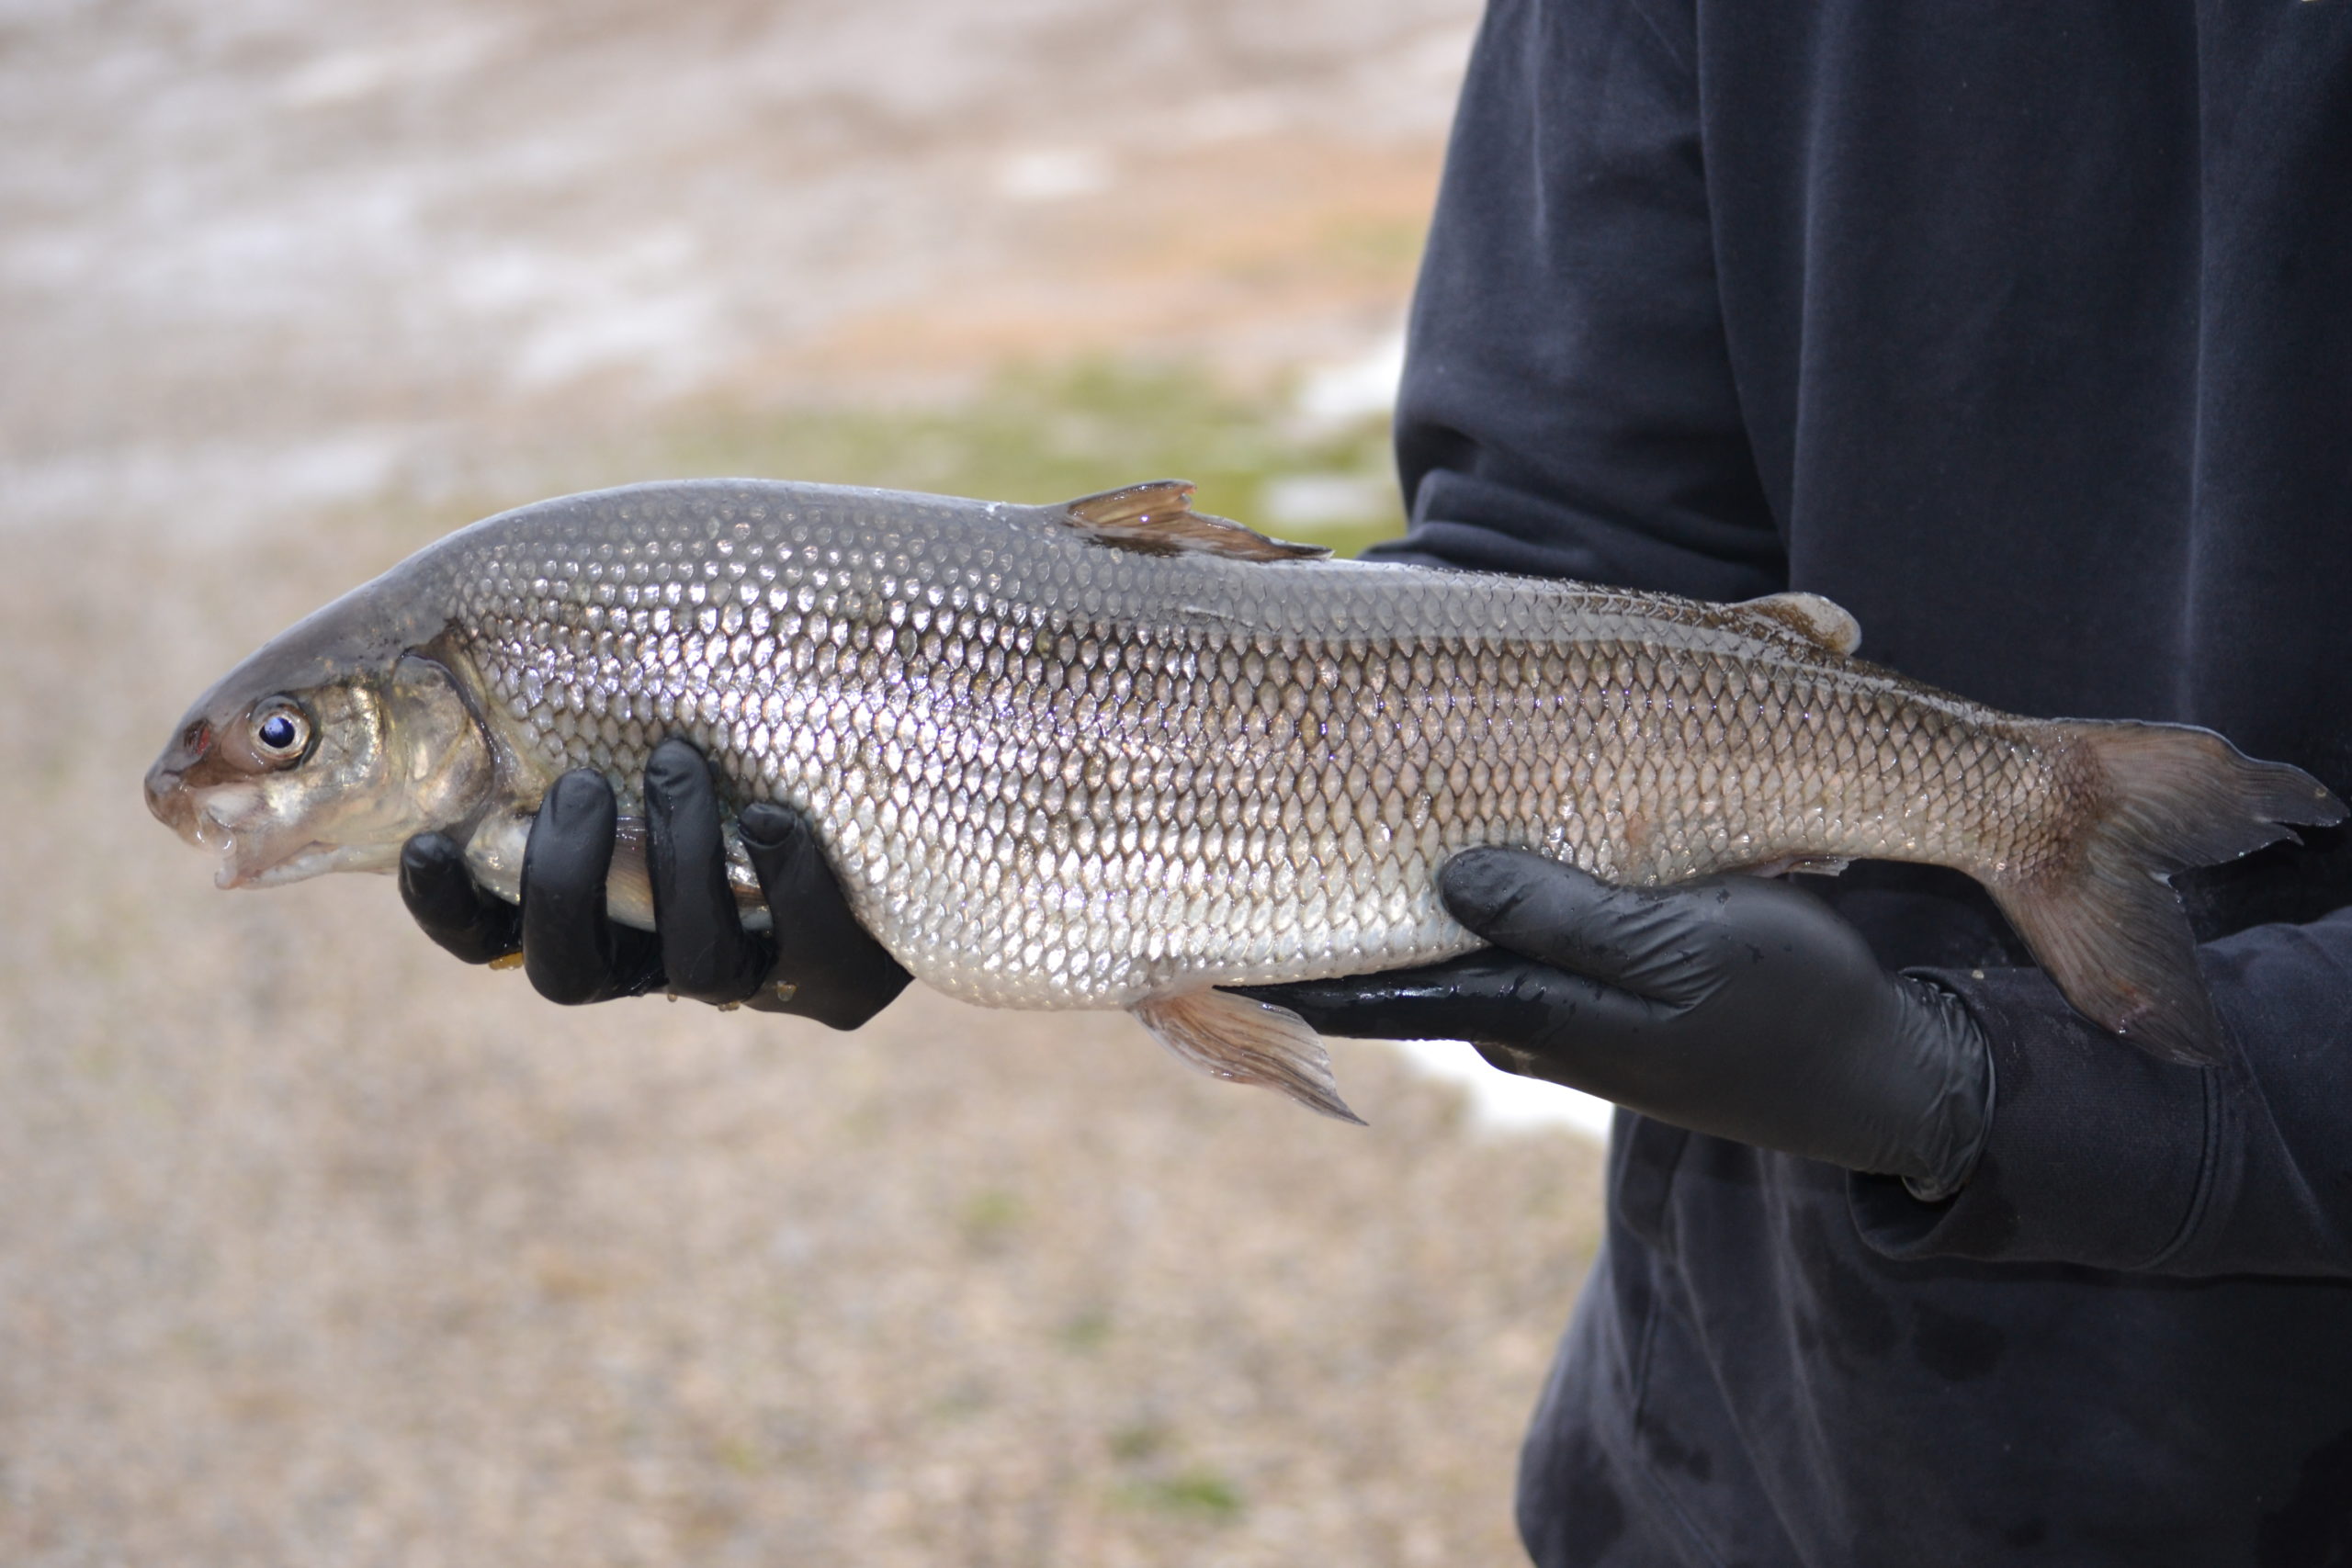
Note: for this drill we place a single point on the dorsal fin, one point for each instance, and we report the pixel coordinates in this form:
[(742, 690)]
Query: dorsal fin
[(1156, 518), (1812, 618)]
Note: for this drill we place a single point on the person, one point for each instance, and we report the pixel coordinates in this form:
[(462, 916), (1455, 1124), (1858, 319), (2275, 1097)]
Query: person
[(2025, 333)]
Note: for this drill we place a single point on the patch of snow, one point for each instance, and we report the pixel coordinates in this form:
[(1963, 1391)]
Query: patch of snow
[(1505, 1102), (347, 75), (220, 488), (1353, 389), (1313, 500), (1228, 117), (1053, 173)]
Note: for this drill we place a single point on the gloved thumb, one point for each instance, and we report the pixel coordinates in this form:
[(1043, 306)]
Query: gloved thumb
[(1665, 945)]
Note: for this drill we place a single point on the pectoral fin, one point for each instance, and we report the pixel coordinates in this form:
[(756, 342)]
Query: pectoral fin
[(1156, 518), (1243, 1040), (494, 856)]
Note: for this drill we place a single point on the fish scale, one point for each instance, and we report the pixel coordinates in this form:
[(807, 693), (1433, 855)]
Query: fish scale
[(1115, 754)]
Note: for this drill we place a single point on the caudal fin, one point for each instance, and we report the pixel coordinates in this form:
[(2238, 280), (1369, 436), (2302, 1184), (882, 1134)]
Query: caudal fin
[(2105, 922)]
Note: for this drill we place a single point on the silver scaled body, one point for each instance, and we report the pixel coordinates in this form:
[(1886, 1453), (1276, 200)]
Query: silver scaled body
[(1054, 770)]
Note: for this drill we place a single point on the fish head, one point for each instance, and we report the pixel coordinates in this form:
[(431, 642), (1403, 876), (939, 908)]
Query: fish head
[(326, 750)]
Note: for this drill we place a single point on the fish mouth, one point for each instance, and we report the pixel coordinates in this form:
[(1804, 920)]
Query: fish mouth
[(224, 822), (234, 821), (264, 860), (253, 856), (314, 859)]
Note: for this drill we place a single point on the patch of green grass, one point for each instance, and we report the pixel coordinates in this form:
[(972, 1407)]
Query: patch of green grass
[(1376, 247), (1134, 1444), (1044, 434), (1087, 1329), (1202, 1494), (989, 1217)]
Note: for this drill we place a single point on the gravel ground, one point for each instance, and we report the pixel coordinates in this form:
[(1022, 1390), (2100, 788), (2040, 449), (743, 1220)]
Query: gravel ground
[(320, 1249)]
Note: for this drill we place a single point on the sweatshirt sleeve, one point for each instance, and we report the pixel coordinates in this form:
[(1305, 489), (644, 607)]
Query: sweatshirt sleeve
[(2099, 1156), (1568, 406)]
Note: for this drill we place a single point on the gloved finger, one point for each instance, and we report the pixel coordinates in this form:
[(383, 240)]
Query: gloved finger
[(442, 896), (1421, 1003), (1665, 943), (705, 953), (828, 966), (571, 951), (1484, 995)]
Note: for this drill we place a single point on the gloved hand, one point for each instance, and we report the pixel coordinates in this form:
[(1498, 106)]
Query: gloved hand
[(816, 960), (1732, 1006)]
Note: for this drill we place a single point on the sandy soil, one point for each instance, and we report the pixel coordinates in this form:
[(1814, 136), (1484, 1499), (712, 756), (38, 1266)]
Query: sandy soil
[(318, 1248)]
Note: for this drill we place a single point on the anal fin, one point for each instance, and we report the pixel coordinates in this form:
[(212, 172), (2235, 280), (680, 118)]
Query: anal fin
[(1243, 1040)]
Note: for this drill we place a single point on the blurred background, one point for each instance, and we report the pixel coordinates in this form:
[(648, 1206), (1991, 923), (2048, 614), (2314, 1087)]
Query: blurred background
[(317, 1248)]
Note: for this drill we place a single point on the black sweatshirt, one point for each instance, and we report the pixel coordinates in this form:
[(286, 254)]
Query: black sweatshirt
[(2023, 331)]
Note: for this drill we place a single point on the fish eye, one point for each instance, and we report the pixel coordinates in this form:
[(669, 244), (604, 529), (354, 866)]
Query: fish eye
[(280, 730)]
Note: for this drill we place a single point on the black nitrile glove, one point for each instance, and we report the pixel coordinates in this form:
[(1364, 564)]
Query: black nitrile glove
[(1734, 1006), (817, 961)]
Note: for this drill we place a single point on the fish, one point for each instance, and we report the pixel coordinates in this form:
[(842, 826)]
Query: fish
[(1119, 753)]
